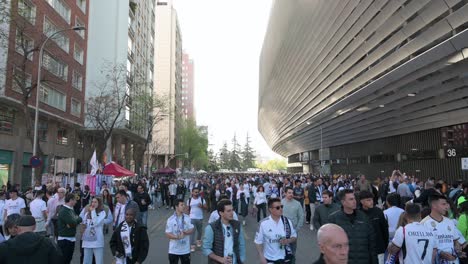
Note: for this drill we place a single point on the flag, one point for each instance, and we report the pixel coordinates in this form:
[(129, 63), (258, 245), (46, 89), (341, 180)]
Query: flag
[(94, 164)]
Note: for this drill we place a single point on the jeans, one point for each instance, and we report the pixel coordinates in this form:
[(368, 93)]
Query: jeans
[(261, 209), (98, 254), (67, 248), (184, 259), (198, 224), (144, 218), (173, 197), (312, 213)]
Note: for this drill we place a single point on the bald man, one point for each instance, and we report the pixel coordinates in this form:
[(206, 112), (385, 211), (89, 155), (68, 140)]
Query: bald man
[(334, 245)]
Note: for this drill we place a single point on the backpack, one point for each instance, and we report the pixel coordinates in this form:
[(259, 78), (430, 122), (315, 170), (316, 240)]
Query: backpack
[(190, 200), (455, 197)]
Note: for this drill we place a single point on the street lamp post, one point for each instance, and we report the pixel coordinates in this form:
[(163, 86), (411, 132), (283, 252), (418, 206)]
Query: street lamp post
[(38, 88)]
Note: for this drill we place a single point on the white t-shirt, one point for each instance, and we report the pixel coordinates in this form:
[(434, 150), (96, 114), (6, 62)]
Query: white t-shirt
[(445, 233), (419, 241), (14, 206), (176, 225), (228, 239), (392, 215), (37, 206), (269, 234), (215, 216), (196, 212)]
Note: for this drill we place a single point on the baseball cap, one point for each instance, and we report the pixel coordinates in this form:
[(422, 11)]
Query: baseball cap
[(26, 220)]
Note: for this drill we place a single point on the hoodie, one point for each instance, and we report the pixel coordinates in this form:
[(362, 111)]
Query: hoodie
[(26, 247)]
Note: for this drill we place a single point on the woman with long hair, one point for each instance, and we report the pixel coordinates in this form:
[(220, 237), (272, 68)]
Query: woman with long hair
[(108, 200), (260, 202), (93, 234)]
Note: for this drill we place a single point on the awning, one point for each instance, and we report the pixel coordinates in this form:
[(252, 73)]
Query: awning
[(116, 170)]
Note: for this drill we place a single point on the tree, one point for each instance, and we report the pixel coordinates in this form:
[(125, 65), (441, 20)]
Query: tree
[(234, 158), (248, 155), (105, 107), (195, 144), (212, 161), (224, 157), (273, 165)]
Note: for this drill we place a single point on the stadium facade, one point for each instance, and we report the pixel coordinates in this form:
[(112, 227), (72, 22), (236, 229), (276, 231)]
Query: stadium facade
[(367, 86)]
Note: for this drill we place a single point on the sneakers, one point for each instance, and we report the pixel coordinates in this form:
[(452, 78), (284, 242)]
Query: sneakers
[(311, 228), (198, 243), (243, 222), (192, 248)]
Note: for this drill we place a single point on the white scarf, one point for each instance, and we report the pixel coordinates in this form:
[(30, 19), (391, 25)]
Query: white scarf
[(125, 236)]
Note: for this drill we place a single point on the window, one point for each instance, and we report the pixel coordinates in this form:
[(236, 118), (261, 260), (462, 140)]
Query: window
[(61, 8), (27, 10), (77, 80), (55, 67), (61, 39), (75, 107), (82, 5), (127, 113), (7, 116), (62, 138), (78, 54), (78, 23), (18, 78), (42, 131), (24, 44), (53, 98)]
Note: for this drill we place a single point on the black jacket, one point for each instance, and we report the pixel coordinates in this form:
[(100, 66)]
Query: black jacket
[(142, 196), (322, 213), (312, 193), (380, 225), (360, 235), (29, 248), (320, 260), (138, 240)]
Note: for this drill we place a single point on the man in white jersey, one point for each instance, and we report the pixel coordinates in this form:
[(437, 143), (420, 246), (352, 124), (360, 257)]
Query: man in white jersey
[(178, 229), (275, 235), (443, 228), (38, 210), (418, 242), (15, 205), (196, 204)]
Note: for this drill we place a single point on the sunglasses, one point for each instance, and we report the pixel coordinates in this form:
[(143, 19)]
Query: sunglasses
[(228, 231), (278, 207)]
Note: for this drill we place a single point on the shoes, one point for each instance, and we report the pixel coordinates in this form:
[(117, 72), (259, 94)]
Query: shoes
[(167, 207), (192, 248), (198, 243), (307, 223), (243, 222), (311, 228)]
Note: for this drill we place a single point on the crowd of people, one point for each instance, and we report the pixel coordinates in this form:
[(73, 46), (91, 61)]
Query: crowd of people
[(398, 218)]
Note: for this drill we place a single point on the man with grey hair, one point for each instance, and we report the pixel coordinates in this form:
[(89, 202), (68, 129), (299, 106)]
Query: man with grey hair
[(334, 245), (52, 213)]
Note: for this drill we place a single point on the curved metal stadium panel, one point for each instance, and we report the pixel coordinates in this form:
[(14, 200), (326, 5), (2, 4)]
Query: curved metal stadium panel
[(340, 72)]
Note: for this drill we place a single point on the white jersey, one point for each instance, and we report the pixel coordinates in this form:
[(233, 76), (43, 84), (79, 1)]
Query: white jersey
[(269, 234), (419, 242), (445, 233), (176, 225), (14, 206)]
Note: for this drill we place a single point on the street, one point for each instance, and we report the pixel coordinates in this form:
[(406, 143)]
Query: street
[(307, 250)]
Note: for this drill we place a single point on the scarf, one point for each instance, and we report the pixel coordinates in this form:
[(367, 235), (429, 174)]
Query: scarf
[(287, 230), (125, 236)]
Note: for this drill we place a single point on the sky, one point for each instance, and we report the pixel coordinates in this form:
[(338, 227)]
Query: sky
[(224, 38)]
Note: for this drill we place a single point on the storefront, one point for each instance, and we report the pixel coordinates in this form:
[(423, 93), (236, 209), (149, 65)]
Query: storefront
[(6, 160)]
